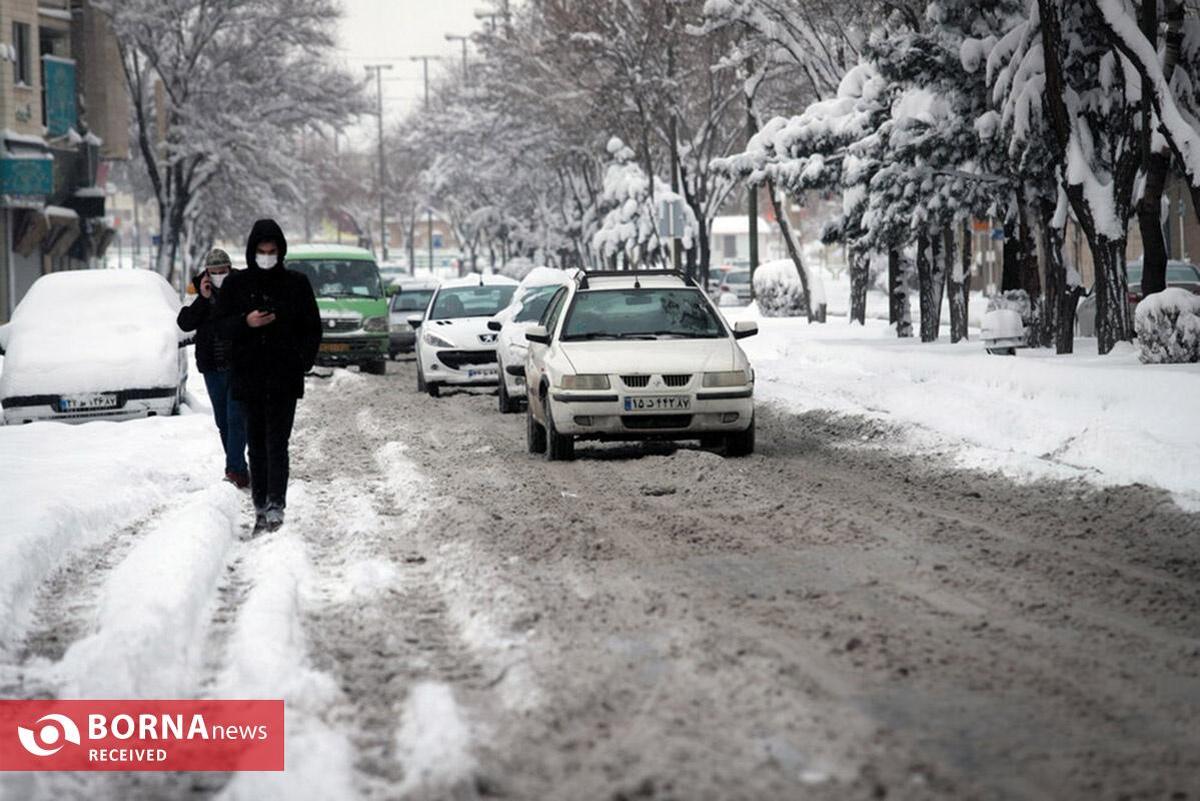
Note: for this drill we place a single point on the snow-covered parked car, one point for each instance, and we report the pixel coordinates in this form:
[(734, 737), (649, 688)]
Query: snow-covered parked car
[(528, 305), (637, 355), (1180, 275), (454, 344), (93, 344)]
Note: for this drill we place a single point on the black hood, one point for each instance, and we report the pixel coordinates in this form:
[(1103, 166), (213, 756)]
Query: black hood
[(265, 230)]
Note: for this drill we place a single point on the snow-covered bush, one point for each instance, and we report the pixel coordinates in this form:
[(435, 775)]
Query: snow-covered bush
[(778, 291), (1168, 327)]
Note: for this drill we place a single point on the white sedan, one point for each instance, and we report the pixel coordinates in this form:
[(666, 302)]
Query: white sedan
[(528, 305), (89, 344), (455, 347), (637, 355)]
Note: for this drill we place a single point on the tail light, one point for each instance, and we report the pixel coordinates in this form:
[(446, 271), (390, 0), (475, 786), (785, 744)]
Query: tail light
[(1135, 297)]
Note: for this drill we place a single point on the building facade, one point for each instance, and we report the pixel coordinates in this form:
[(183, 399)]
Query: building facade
[(63, 112)]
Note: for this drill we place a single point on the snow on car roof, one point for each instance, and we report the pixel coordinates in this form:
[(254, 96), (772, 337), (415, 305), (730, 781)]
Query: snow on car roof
[(318, 251), (547, 276), (610, 281), (474, 280)]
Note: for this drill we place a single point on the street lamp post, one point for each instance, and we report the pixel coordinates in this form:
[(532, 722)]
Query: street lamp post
[(378, 70), (425, 61)]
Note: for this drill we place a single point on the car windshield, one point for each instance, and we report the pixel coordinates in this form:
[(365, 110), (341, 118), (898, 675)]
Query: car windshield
[(641, 314), (1134, 272), (737, 278), (471, 301), (534, 304), (411, 300), (1181, 273), (335, 278)]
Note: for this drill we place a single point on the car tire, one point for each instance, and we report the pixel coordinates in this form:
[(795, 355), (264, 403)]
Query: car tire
[(740, 443), (375, 367), (506, 404), (712, 441), (559, 447), (535, 435), (1002, 351), (434, 390)]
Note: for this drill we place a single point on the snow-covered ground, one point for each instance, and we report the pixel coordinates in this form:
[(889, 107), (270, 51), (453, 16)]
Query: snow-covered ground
[(1110, 420)]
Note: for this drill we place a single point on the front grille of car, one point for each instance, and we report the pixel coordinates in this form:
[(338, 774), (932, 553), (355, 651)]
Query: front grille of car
[(340, 325), (635, 381), (457, 359), (677, 380), (646, 422)]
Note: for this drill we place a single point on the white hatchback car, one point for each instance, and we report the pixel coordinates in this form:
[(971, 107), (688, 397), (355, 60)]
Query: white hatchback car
[(455, 347), (528, 305), (637, 355), (93, 344)]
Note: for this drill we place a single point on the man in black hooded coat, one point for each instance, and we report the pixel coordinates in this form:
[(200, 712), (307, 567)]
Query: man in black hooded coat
[(270, 314)]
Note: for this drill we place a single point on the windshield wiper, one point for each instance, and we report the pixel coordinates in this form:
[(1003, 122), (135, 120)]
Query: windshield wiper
[(590, 336)]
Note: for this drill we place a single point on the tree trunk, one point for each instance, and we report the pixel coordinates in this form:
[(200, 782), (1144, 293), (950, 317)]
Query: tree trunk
[(899, 310), (931, 279), (1014, 254), (860, 264), (959, 277), (1112, 306), (786, 231), (1060, 298)]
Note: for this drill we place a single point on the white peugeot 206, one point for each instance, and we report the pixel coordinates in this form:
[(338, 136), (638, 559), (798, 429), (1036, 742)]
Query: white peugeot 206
[(455, 347), (637, 355), (528, 305)]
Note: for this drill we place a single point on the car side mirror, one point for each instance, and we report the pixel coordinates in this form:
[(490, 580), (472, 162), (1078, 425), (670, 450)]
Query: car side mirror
[(538, 334), (415, 320), (495, 325), (744, 328)]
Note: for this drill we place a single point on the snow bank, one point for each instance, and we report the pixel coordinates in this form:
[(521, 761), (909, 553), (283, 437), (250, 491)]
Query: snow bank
[(154, 608), (434, 743), (1168, 327), (1033, 416), (93, 330), (66, 488), (778, 290)]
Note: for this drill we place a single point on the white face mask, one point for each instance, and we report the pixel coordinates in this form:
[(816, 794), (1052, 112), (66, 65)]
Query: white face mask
[(266, 261), (218, 279)]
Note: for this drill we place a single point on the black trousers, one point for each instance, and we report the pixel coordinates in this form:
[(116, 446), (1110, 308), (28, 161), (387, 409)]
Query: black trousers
[(268, 428)]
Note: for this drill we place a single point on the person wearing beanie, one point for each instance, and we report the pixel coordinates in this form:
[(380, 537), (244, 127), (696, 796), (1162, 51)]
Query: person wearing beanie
[(213, 360), (271, 316)]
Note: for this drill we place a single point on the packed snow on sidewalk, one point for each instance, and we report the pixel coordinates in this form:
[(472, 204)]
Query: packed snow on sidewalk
[(1108, 419)]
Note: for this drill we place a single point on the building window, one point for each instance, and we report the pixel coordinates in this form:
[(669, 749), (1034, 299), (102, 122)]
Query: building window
[(730, 249), (21, 68)]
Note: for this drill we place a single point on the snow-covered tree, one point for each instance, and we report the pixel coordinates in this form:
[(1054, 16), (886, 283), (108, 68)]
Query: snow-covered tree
[(219, 92)]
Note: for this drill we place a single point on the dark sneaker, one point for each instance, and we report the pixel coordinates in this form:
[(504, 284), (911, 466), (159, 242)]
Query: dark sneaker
[(241, 480), (260, 522), (274, 517)]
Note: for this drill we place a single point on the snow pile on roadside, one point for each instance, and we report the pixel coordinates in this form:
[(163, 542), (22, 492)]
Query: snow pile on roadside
[(778, 291), (434, 742), (154, 607), (64, 488), (1107, 419), (1168, 327)]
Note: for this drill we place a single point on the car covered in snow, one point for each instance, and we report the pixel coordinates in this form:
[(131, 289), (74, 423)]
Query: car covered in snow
[(90, 344), (528, 306), (633, 355), (455, 347), (412, 296)]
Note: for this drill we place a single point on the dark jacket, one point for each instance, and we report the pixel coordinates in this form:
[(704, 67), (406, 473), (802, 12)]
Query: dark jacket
[(273, 359), (212, 351)]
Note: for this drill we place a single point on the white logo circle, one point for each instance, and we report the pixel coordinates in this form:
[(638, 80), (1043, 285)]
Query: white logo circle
[(49, 735)]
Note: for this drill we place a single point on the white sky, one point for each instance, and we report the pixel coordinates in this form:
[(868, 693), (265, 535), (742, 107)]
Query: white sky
[(391, 31)]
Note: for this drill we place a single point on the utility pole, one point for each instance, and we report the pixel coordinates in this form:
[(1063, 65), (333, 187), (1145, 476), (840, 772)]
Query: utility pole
[(676, 243), (429, 212), (378, 70), (751, 130), (425, 60), (453, 37)]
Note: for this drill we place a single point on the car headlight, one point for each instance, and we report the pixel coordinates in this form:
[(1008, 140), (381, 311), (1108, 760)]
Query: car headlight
[(434, 341), (376, 325), (398, 328), (585, 382), (734, 378)]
